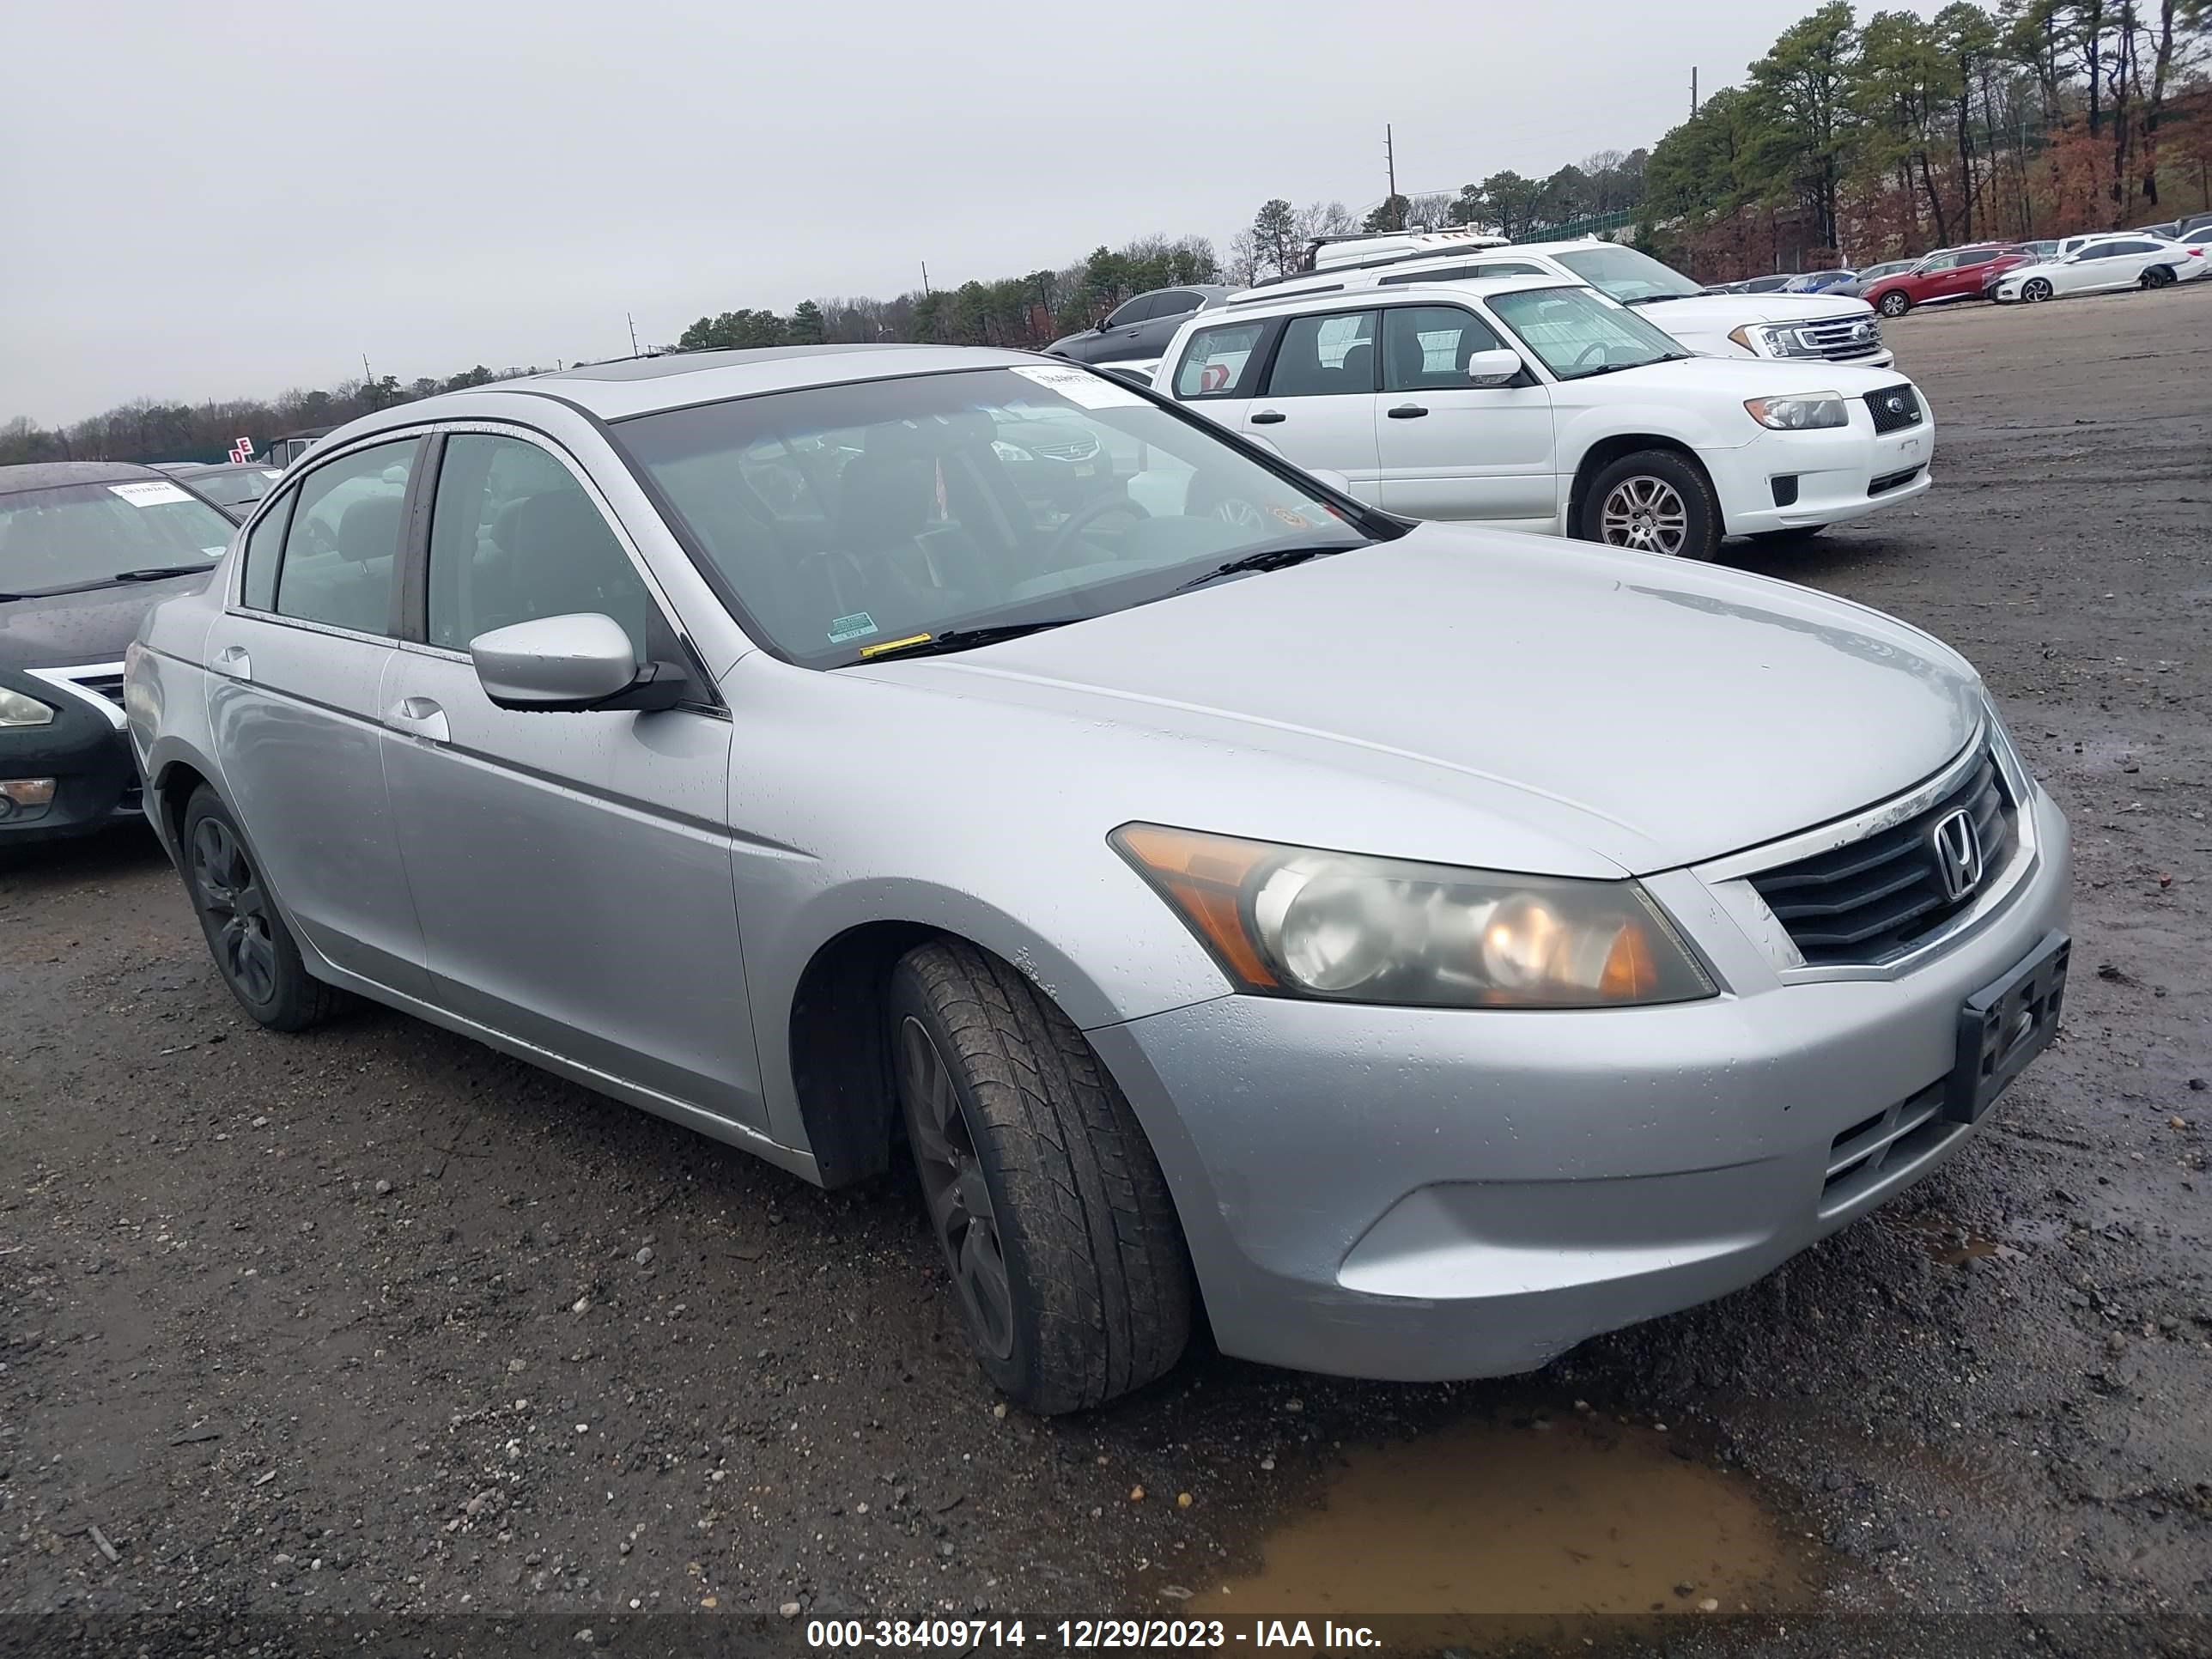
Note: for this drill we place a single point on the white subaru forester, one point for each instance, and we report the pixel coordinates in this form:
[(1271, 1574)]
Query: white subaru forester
[(1534, 404)]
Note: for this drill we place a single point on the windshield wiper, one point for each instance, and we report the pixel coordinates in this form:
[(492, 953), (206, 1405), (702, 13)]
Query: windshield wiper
[(1271, 558), (1657, 298), (161, 572), (967, 639)]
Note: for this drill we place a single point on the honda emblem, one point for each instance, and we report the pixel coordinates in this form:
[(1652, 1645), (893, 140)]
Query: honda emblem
[(1958, 846)]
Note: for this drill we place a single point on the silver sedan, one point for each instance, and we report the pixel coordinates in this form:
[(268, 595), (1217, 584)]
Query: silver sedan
[(1424, 946)]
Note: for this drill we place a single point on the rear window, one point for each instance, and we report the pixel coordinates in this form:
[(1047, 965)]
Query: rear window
[(1214, 361), (77, 534)]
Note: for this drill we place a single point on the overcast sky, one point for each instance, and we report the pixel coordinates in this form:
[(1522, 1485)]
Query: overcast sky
[(222, 198)]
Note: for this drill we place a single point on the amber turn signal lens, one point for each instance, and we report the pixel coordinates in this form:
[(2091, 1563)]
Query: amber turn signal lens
[(1203, 877)]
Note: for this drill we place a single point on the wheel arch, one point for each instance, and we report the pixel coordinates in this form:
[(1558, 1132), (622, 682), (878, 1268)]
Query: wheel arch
[(1608, 450)]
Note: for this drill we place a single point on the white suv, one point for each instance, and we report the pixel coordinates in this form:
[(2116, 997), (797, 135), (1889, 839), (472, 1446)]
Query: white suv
[(1796, 327), (1549, 407)]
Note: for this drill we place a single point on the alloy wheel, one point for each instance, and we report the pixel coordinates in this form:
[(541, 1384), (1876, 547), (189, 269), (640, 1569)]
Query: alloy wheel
[(1646, 513), (2035, 288), (236, 908), (961, 1214)]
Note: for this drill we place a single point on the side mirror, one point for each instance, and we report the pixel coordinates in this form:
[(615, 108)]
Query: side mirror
[(1492, 368), (571, 663)]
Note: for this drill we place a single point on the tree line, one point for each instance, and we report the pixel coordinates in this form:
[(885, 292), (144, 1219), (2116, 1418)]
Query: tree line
[(1848, 141)]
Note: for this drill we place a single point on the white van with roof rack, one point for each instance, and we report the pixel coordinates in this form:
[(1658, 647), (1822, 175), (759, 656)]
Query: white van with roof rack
[(1785, 326), (1544, 406)]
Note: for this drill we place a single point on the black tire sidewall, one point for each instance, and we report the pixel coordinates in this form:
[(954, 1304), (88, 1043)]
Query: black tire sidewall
[(1015, 1374), (1688, 481), (293, 1001)]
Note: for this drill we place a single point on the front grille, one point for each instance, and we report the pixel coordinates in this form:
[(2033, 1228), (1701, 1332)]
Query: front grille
[(1874, 898), (1081, 450), (1840, 341), (1889, 480), (109, 686), (1893, 407)]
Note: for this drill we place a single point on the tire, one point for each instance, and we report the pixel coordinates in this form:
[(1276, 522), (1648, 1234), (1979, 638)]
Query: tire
[(2158, 276), (1895, 303), (1028, 1155), (1803, 532), (253, 950), (2036, 289), (1655, 500)]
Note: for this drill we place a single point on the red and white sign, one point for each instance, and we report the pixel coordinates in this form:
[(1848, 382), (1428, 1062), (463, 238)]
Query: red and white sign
[(242, 451)]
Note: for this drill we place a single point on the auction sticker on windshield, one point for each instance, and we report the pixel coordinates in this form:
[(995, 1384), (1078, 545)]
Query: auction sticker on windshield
[(1080, 387), (149, 494)]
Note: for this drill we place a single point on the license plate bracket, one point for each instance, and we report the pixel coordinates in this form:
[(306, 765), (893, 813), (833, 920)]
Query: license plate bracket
[(2004, 1026)]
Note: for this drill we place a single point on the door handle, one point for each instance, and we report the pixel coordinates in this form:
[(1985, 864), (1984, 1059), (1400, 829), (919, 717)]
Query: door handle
[(233, 661), (1405, 413), (419, 717), (1269, 418)]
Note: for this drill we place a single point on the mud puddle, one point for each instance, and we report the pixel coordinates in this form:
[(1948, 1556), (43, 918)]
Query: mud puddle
[(1568, 1516), (1954, 1244)]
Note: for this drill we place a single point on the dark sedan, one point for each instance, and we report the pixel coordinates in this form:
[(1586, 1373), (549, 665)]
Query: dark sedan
[(86, 548), (1140, 329)]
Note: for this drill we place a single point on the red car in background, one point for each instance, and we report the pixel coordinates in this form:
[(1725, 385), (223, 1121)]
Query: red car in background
[(1951, 273)]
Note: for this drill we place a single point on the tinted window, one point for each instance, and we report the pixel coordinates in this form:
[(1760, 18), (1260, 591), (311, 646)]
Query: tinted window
[(1177, 303), (1325, 356), (1132, 311), (263, 549), (1626, 274), (2130, 247), (1428, 346), (343, 548), (1460, 273), (1215, 362), (846, 518), (514, 536)]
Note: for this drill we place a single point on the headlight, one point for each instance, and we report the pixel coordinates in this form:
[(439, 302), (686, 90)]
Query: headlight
[(1294, 921), (1007, 452), (1802, 413), (17, 709), (1774, 340)]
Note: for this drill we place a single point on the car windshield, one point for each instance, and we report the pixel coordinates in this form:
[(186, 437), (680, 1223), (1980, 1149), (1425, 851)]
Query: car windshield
[(88, 534), (846, 519), (1579, 333), (1627, 275), (241, 487)]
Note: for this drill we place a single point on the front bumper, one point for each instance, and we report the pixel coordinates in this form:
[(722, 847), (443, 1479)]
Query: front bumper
[(1420, 1194), (95, 779), (1835, 472)]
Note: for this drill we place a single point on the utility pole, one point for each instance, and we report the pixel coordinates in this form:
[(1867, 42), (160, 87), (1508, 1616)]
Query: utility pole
[(1390, 161), (1693, 88), (925, 279), (632, 321)]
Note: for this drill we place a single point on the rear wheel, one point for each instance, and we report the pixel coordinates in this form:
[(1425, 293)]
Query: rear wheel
[(2036, 289), (1655, 500), (1895, 303), (2158, 276), (1044, 1194), (252, 948)]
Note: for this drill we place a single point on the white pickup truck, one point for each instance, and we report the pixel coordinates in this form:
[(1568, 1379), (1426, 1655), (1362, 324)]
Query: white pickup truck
[(1787, 327)]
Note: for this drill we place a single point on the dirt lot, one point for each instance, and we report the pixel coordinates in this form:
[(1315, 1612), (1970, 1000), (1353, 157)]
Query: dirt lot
[(375, 1321)]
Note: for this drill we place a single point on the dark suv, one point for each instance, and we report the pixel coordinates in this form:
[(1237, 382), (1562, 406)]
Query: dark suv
[(1140, 329)]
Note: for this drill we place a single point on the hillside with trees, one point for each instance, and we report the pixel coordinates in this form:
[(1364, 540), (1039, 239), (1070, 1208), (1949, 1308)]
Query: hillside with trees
[(1849, 141)]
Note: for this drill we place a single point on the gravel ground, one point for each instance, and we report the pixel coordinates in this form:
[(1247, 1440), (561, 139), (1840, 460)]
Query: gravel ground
[(377, 1322)]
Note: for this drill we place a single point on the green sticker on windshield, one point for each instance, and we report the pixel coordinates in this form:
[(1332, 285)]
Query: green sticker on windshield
[(858, 626)]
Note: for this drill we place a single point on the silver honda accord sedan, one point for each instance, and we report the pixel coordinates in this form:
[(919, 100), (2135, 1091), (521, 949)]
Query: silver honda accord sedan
[(1422, 947)]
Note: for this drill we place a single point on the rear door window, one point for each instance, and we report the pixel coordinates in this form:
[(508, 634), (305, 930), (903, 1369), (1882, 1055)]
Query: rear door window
[(342, 547), (1325, 356)]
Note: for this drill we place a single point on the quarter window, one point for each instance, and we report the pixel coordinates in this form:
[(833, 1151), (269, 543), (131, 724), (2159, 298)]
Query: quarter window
[(264, 549), (342, 547), (1176, 304), (1325, 356), (1215, 362), (514, 536), (1426, 347)]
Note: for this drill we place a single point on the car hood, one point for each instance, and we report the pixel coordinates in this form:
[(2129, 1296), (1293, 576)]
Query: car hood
[(1724, 312), (1651, 713), (1730, 378), (2040, 268), (64, 630)]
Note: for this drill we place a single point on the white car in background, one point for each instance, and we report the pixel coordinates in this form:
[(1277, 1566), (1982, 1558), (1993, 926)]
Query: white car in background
[(1540, 405), (1795, 327), (2107, 262)]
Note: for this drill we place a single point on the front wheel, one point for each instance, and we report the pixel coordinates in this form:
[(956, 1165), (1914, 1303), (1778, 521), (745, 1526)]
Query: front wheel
[(1044, 1194), (2035, 290), (253, 950), (1656, 500), (1895, 303)]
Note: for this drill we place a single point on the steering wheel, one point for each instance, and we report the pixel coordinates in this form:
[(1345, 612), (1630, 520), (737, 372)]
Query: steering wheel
[(1083, 515), (1595, 348)]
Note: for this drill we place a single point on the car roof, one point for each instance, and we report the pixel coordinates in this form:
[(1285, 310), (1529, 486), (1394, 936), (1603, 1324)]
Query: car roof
[(49, 475), (682, 379), (1335, 296)]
